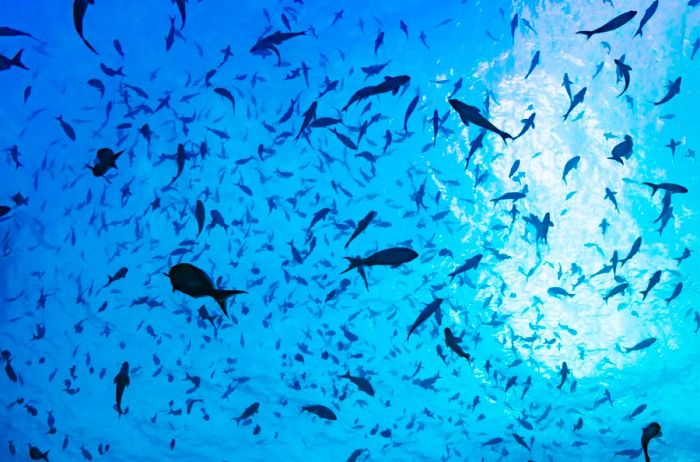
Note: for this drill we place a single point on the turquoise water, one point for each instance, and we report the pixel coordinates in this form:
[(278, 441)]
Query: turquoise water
[(287, 207)]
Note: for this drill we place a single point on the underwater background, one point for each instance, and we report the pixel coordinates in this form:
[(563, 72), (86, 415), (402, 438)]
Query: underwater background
[(247, 164)]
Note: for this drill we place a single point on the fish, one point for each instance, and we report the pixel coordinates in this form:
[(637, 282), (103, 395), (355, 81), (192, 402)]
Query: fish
[(633, 251), (320, 410), (623, 71), (199, 214), (361, 383), (470, 114), (389, 85), (676, 292), (67, 128), (429, 310), (409, 110), (248, 412), (181, 6), (121, 380), (393, 257), (272, 41), (511, 196), (615, 23), (361, 226), (673, 88), (670, 187), (79, 9), (180, 160), (564, 372), (11, 32), (527, 125), (575, 101), (655, 278), (453, 343), (647, 16), (649, 432), (309, 116), (16, 61), (36, 454), (620, 288), (228, 95), (642, 345), (533, 64), (471, 263), (121, 274), (570, 165), (106, 160), (567, 85), (192, 281)]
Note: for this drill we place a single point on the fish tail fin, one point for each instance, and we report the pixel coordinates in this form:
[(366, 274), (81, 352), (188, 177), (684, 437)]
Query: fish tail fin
[(17, 60), (505, 136), (587, 33), (346, 375), (361, 270), (639, 32), (354, 263), (222, 295), (654, 187), (644, 294)]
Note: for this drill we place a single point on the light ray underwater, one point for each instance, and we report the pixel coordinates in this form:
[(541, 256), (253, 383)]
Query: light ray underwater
[(349, 231)]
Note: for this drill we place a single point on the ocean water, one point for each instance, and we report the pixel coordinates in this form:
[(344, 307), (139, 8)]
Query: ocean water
[(450, 356)]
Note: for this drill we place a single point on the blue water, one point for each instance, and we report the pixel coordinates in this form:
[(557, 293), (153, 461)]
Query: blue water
[(527, 307)]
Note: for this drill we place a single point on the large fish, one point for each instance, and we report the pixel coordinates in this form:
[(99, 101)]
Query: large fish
[(393, 257), (649, 432), (192, 281), (121, 380), (390, 84), (470, 114), (611, 25)]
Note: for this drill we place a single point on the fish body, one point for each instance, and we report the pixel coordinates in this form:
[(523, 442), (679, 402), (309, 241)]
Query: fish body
[(192, 281), (79, 9), (673, 89), (390, 84), (320, 410), (611, 25), (16, 61), (393, 257), (575, 101), (470, 114), (361, 383), (642, 345), (649, 432), (430, 309), (647, 16), (471, 263), (361, 226), (121, 380)]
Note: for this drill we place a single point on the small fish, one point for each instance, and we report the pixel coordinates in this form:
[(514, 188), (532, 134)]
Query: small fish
[(673, 89), (647, 16), (121, 274), (670, 187), (655, 278), (642, 345), (533, 64), (430, 309), (471, 263), (570, 165), (361, 226), (16, 61), (199, 214), (121, 380), (393, 257), (575, 101), (248, 412), (361, 383), (67, 128), (470, 114), (320, 410)]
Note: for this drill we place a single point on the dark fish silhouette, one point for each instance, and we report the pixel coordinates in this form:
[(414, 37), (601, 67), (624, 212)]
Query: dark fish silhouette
[(11, 32), (649, 432), (227, 94), (199, 215), (272, 41), (192, 281), (121, 380), (470, 114), (180, 160), (361, 226), (361, 383), (575, 101), (121, 274), (36, 454), (642, 345), (655, 278), (393, 257), (533, 64), (673, 89), (670, 187), (611, 25), (647, 16), (320, 410), (16, 61), (570, 165), (623, 72), (430, 309), (248, 412), (564, 372), (106, 160), (390, 84), (453, 343), (79, 9), (471, 263)]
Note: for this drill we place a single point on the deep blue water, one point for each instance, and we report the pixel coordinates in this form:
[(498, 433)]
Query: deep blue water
[(279, 208)]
